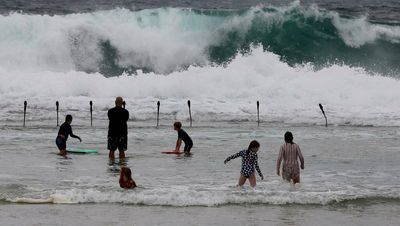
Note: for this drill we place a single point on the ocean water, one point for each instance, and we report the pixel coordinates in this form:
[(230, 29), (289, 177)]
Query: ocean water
[(350, 172), (223, 56)]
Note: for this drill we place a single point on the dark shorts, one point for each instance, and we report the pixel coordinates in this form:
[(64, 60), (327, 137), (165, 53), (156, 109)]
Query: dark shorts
[(117, 142), (61, 143), (187, 148)]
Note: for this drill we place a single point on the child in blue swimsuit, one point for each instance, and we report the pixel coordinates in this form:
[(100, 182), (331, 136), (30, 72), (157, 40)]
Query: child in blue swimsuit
[(249, 162)]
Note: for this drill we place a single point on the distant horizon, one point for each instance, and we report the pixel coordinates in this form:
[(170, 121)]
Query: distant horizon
[(377, 10)]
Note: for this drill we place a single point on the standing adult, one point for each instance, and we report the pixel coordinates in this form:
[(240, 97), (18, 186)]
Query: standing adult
[(117, 129), (289, 153)]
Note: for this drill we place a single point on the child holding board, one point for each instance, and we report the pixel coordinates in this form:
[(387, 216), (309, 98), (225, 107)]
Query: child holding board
[(182, 136)]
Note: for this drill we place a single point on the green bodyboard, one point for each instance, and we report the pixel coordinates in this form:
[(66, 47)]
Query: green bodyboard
[(83, 151)]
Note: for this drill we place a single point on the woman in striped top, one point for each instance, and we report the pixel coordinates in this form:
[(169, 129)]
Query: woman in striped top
[(289, 153)]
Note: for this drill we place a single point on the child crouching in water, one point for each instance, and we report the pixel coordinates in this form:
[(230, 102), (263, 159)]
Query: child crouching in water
[(182, 136), (249, 162), (125, 179)]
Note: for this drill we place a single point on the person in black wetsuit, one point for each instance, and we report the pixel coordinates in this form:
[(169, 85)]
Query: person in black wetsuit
[(249, 162), (63, 133), (117, 129), (182, 136)]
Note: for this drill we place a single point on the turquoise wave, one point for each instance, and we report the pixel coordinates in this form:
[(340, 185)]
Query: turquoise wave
[(301, 37), (297, 34), (165, 40)]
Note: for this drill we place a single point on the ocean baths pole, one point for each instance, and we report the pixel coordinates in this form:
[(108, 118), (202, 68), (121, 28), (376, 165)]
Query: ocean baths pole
[(25, 104), (57, 105), (158, 112), (91, 113), (190, 113), (323, 112), (258, 113)]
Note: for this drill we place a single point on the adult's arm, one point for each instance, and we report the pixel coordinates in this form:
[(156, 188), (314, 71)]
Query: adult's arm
[(279, 161), (127, 116), (300, 157), (109, 114)]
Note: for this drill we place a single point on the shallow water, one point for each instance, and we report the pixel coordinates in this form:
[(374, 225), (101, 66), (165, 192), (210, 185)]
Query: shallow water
[(376, 213), (223, 56), (341, 164)]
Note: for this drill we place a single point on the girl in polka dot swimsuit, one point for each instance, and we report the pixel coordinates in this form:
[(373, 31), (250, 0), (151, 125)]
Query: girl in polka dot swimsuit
[(249, 162)]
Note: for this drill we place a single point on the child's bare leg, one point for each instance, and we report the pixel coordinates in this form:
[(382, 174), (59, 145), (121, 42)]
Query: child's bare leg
[(252, 180), (242, 180), (63, 152)]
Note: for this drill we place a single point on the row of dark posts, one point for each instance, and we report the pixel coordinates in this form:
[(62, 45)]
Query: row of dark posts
[(57, 110), (158, 112)]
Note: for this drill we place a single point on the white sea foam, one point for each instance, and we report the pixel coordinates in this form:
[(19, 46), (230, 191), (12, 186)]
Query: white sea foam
[(286, 94), (42, 58), (187, 196), (358, 32), (165, 40)]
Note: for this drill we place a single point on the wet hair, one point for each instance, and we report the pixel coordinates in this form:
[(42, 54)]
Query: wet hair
[(125, 171), (178, 125), (253, 144), (289, 137), (68, 118)]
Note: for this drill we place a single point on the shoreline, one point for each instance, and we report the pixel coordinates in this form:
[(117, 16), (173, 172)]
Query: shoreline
[(114, 214)]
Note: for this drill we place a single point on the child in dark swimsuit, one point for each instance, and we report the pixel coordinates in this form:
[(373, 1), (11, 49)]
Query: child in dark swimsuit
[(249, 162), (63, 133), (182, 136), (125, 179)]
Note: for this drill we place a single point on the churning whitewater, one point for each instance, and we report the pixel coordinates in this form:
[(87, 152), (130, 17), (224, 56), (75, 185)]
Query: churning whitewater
[(350, 95), (172, 39), (222, 60), (230, 58)]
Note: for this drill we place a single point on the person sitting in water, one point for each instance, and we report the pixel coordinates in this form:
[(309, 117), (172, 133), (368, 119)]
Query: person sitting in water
[(125, 179), (182, 136), (289, 153), (63, 133), (249, 162)]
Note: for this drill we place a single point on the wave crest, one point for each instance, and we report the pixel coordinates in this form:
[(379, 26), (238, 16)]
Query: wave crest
[(172, 39)]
